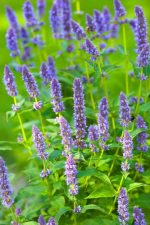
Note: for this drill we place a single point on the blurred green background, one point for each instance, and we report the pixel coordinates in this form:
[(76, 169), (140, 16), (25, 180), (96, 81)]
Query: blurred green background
[(8, 130)]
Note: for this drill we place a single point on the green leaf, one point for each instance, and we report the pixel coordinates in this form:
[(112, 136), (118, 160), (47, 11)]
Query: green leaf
[(87, 172), (5, 148), (30, 223), (135, 186), (102, 191), (92, 206), (9, 115), (135, 132), (61, 212), (145, 107)]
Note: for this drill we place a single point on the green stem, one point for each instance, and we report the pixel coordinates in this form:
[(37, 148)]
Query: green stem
[(139, 96), (78, 6), (40, 117)]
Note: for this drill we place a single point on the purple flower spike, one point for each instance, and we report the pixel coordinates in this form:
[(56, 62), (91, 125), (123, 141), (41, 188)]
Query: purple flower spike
[(119, 9), (51, 68), (38, 41), (30, 82), (24, 36), (41, 4), (90, 48), (90, 23), (45, 173), (127, 145), (103, 107), (79, 114), (71, 172), (12, 42), (51, 221), (99, 22), (26, 54), (44, 73), (106, 18), (77, 209), (139, 168), (77, 30), (12, 20), (141, 38), (5, 189), (37, 105), (29, 14), (125, 166), (56, 95), (66, 19), (123, 206), (55, 21), (66, 134), (141, 137), (41, 220), (124, 111), (39, 143), (10, 82), (139, 217), (93, 135), (18, 211)]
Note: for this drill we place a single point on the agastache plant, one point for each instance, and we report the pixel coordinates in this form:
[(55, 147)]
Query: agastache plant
[(12, 44), (29, 16), (119, 9), (51, 221), (123, 206), (79, 114), (56, 95), (139, 217), (71, 173), (10, 82), (77, 30), (93, 136), (143, 50), (124, 111), (90, 23), (56, 20), (5, 188), (12, 20), (51, 68), (91, 49), (66, 19), (141, 137), (41, 4)]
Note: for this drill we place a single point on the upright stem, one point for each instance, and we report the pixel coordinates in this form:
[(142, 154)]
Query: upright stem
[(139, 96), (78, 6), (40, 117), (126, 59)]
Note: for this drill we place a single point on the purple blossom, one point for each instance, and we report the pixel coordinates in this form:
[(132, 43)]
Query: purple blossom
[(103, 107), (119, 9), (12, 42), (26, 54), (29, 14), (24, 36), (127, 145), (51, 221), (134, 100), (12, 20), (39, 143), (51, 68), (45, 173), (124, 111), (44, 73), (66, 19), (103, 128), (141, 38), (90, 23), (79, 114), (90, 48), (30, 82), (66, 134), (18, 211), (5, 189), (77, 209), (37, 105), (71, 172), (56, 20), (15, 107), (139, 167), (41, 4), (77, 30), (141, 137), (41, 220), (9, 82), (114, 28), (38, 41), (99, 22), (106, 18), (139, 217), (70, 48), (123, 206), (133, 24), (56, 95), (125, 166), (102, 45)]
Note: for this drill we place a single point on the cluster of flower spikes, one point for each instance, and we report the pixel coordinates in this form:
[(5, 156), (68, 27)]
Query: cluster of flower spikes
[(51, 221), (5, 188), (141, 141), (103, 125), (40, 145), (79, 114)]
